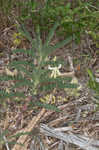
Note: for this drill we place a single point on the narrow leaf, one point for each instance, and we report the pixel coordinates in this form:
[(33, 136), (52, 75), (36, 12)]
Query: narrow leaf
[(51, 34), (4, 94), (50, 49), (38, 41), (47, 106), (22, 62), (22, 83)]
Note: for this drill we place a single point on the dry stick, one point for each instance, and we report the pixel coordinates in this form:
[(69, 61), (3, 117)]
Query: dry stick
[(29, 128), (97, 75), (57, 121), (49, 113), (72, 72), (83, 142), (6, 143), (71, 63), (67, 74), (5, 140)]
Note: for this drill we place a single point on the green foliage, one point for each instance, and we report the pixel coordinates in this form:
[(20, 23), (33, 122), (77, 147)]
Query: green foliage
[(75, 18), (23, 7), (47, 106), (11, 95), (6, 6), (93, 84), (95, 37), (36, 77)]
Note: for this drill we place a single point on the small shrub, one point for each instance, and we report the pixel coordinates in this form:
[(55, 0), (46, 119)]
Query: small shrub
[(33, 73), (93, 85)]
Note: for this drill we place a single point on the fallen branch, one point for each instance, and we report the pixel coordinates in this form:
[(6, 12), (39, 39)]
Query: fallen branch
[(83, 142), (29, 128)]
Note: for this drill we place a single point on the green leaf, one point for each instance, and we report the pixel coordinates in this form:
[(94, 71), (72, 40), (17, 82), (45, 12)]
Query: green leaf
[(38, 41), (23, 69), (28, 51), (51, 34), (67, 85), (23, 82), (48, 50), (25, 33), (20, 62), (19, 134), (51, 84), (48, 86), (6, 78), (92, 81), (4, 94), (47, 106), (53, 80)]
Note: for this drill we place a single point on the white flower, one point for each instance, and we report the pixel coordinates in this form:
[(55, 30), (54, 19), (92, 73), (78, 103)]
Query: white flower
[(55, 71)]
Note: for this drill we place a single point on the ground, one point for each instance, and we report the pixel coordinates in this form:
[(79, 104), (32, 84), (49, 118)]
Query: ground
[(79, 112)]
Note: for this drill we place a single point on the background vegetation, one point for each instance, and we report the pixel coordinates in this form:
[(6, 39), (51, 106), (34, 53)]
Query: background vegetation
[(38, 23)]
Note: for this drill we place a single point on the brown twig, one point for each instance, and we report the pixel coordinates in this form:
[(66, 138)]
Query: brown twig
[(72, 71), (29, 128), (57, 121), (67, 74)]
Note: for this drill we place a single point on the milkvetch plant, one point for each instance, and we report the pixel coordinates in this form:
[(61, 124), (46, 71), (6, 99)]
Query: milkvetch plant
[(36, 77)]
